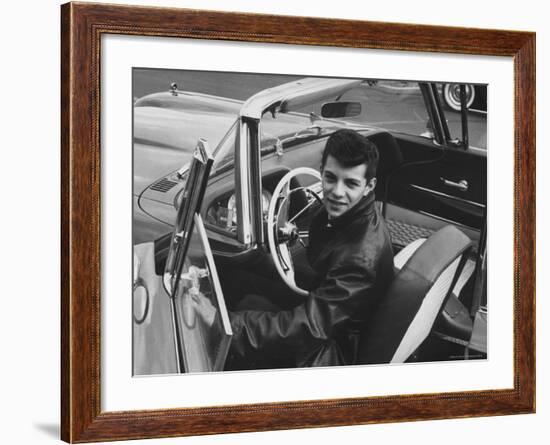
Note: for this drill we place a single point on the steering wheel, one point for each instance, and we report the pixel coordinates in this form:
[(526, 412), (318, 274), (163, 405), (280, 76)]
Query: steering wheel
[(282, 231)]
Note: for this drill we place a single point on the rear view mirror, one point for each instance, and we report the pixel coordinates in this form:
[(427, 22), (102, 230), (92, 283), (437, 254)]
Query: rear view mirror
[(341, 109)]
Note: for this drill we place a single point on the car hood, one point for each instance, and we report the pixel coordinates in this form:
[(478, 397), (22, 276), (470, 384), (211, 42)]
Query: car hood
[(167, 128), (165, 133)]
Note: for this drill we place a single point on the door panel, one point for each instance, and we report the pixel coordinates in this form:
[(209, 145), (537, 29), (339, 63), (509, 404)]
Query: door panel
[(153, 332), (447, 183), (169, 336)]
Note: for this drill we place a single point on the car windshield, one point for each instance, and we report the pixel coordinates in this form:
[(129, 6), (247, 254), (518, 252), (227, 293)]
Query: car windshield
[(393, 105), (397, 106), (370, 103)]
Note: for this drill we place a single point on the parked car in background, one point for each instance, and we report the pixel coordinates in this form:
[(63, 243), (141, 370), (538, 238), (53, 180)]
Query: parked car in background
[(475, 100)]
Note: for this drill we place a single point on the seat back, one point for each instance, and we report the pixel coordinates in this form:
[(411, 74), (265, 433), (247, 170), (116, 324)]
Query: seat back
[(414, 299), (390, 159)]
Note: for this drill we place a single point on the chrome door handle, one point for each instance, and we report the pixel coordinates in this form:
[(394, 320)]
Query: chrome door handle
[(461, 185)]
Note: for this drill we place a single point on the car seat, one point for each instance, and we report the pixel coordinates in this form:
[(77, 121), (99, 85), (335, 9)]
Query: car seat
[(415, 298)]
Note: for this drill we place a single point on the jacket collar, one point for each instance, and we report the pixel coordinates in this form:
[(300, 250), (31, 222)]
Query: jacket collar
[(363, 208)]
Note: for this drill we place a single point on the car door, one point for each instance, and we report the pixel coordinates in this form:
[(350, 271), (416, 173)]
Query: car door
[(441, 180), (168, 335)]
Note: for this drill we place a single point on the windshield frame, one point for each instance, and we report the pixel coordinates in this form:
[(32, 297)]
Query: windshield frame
[(216, 167)]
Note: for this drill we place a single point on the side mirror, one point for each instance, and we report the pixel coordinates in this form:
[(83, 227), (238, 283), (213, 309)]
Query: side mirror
[(341, 109)]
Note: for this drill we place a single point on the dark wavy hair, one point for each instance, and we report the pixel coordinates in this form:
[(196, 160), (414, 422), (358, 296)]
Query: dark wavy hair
[(350, 149)]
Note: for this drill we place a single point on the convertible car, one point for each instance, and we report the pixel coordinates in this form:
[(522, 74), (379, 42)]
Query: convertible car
[(223, 186)]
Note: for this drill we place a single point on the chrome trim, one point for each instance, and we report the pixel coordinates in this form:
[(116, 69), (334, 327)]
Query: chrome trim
[(439, 135), (451, 339), (140, 282), (175, 332), (217, 366), (242, 187), (235, 255), (295, 94), (214, 274), (478, 150), (461, 185), (279, 148), (255, 181), (445, 195)]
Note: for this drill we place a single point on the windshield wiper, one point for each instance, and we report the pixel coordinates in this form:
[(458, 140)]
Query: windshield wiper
[(312, 131), (304, 135)]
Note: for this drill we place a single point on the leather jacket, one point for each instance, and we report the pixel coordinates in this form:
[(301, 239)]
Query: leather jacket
[(353, 257)]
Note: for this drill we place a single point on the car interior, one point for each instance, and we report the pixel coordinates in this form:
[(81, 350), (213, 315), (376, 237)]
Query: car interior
[(422, 189), (406, 223)]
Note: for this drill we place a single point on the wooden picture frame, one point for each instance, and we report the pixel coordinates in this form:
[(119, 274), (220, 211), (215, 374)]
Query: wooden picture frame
[(82, 26)]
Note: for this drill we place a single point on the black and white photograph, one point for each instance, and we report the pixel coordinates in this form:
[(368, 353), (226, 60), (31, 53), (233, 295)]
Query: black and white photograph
[(275, 222), (284, 221)]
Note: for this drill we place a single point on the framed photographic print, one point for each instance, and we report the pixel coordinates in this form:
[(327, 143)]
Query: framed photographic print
[(250, 213)]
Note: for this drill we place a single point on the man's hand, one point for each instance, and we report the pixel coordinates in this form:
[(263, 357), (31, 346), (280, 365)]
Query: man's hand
[(203, 307)]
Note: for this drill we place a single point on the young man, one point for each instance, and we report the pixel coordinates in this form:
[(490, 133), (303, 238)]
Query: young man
[(349, 249)]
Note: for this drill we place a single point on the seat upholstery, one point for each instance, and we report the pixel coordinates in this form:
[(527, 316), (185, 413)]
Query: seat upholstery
[(390, 158), (414, 299), (405, 254)]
